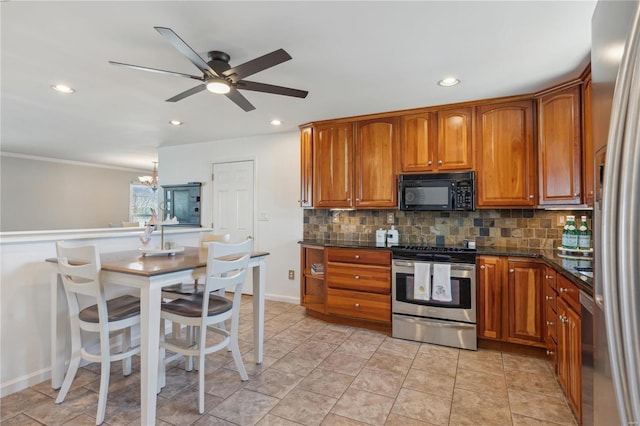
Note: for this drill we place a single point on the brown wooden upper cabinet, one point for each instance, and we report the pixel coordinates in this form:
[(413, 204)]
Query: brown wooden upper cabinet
[(559, 147), (333, 165), (587, 142), (505, 155), (437, 141), (356, 171), (376, 168), (306, 167)]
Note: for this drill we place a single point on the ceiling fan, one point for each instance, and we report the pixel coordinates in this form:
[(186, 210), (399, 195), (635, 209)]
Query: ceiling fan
[(219, 77)]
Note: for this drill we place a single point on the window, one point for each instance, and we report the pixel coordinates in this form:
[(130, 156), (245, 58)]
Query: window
[(141, 200)]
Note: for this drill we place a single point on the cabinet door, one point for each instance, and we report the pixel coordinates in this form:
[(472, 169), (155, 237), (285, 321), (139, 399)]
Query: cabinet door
[(376, 159), (418, 142), (563, 345), (525, 295), (587, 143), (454, 140), (574, 359), (490, 306), (332, 165), (306, 166), (560, 159), (505, 155)]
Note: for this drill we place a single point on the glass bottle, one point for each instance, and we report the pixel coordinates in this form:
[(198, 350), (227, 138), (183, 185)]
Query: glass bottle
[(572, 233), (584, 235), (565, 232)]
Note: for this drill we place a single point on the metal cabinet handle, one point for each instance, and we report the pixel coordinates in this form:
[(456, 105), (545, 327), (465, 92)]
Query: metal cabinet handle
[(512, 270), (549, 297), (357, 256), (576, 194), (439, 162), (549, 353), (531, 197), (357, 277), (481, 266), (349, 199), (564, 290), (357, 200), (550, 323), (429, 163), (550, 277), (357, 305)]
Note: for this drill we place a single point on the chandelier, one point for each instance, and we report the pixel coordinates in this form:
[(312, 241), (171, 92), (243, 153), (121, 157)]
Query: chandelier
[(151, 181)]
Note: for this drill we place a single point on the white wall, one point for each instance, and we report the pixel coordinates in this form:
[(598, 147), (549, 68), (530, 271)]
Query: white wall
[(277, 174), (37, 194)]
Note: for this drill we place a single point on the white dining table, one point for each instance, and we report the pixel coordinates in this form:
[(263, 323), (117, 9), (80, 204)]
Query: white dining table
[(149, 274)]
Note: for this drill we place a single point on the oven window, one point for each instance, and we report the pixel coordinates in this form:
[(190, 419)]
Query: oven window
[(460, 292)]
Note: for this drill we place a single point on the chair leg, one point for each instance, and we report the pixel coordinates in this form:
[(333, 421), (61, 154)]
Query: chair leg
[(237, 358), (126, 345), (74, 362), (105, 371), (190, 339), (201, 359)]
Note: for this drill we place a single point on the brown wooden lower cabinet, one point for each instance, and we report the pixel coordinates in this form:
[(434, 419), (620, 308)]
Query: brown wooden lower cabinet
[(570, 344), (355, 288), (510, 307)]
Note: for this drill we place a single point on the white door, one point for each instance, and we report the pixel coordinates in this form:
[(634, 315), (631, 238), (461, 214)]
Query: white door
[(233, 203)]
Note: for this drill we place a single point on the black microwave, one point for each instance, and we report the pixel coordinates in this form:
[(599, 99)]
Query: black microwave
[(437, 191)]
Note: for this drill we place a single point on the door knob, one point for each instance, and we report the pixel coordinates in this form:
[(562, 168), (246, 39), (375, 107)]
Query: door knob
[(357, 277), (357, 305), (481, 266), (439, 162), (357, 256), (429, 163), (512, 270)]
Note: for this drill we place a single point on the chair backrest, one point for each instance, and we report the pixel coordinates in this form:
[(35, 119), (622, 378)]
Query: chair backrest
[(207, 237), (227, 264), (80, 271)]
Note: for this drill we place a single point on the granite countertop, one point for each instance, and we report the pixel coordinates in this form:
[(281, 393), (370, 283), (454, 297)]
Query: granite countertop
[(565, 266)]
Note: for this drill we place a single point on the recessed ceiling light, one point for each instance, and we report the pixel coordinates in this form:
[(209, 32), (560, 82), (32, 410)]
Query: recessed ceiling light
[(63, 88), (449, 81), (276, 122), (175, 123)]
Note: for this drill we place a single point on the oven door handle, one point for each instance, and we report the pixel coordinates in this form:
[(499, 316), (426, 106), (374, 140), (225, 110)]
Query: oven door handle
[(436, 323), (403, 263)]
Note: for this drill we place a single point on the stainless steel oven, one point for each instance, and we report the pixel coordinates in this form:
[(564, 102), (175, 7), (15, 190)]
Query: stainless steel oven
[(434, 295)]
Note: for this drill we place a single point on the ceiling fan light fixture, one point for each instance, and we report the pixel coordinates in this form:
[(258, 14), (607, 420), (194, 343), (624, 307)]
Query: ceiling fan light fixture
[(448, 82), (63, 88), (220, 87)]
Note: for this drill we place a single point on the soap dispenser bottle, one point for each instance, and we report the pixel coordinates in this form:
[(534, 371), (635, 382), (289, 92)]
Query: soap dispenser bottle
[(381, 237)]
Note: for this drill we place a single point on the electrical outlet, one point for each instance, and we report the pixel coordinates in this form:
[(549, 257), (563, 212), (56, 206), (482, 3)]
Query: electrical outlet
[(561, 220), (292, 274), (390, 218)]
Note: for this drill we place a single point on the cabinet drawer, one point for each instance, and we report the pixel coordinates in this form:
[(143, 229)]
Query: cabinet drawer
[(550, 298), (375, 279), (551, 321), (550, 278), (370, 257), (376, 307), (569, 292)]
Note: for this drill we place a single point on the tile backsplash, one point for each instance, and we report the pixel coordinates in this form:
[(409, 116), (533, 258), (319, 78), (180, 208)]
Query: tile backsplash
[(489, 228)]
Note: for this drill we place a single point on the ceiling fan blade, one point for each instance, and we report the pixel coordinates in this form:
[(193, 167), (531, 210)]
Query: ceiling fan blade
[(256, 65), (186, 93), (270, 88), (186, 50), (138, 67), (240, 100)]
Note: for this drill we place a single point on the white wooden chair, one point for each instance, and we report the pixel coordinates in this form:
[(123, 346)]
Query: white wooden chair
[(80, 271), (187, 289), (226, 266)]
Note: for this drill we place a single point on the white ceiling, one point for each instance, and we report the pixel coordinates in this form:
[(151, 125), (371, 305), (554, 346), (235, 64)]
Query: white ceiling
[(353, 57)]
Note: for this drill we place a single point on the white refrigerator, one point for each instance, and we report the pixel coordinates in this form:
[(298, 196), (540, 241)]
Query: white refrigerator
[(615, 66)]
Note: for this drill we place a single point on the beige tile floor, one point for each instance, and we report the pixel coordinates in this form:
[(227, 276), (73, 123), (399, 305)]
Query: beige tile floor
[(315, 373)]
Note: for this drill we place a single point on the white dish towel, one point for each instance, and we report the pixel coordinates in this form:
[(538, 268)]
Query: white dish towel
[(442, 282), (422, 281)]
